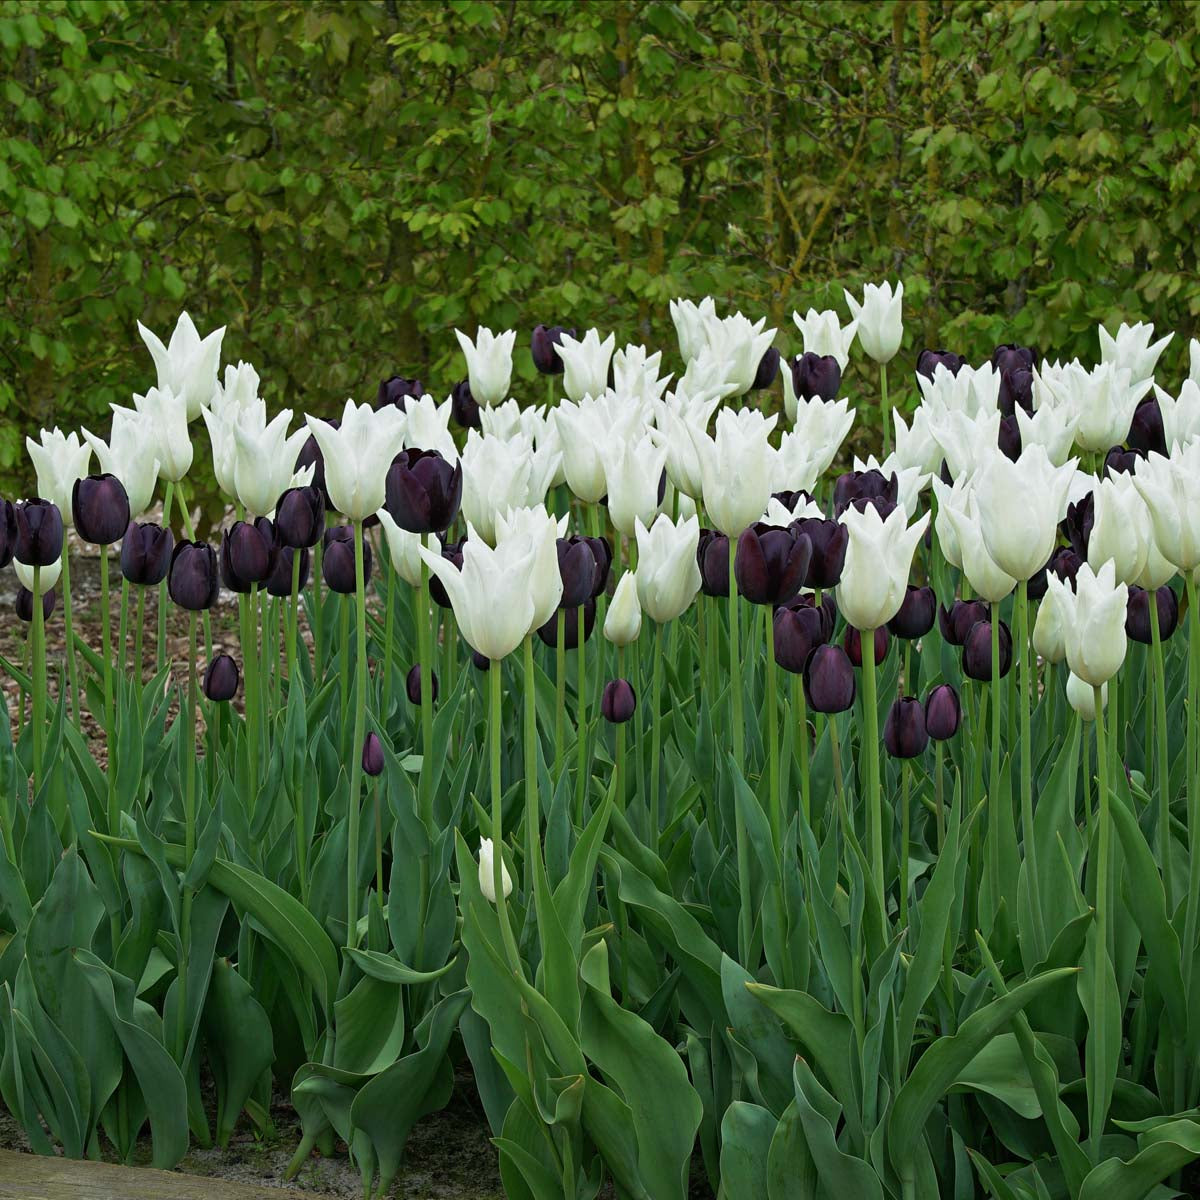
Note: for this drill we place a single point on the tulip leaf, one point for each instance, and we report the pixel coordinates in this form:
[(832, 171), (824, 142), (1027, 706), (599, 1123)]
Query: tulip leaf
[(391, 970)]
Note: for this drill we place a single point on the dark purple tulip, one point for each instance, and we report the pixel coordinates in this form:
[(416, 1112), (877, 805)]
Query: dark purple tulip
[(1077, 524), (1016, 391), (768, 368), (583, 565), (337, 562), (956, 621), (423, 491), (618, 701), (146, 553), (544, 343), (977, 651), (712, 557), (917, 613), (570, 619), (816, 375), (904, 734), (1119, 461), (397, 390), (1012, 357), (300, 517), (39, 533), (412, 684), (480, 662), (24, 604), (8, 532), (1009, 438), (929, 360), (221, 678), (248, 554), (1036, 586), (871, 485), (310, 456), (1065, 563), (943, 713), (829, 540), (100, 509), (770, 564), (852, 642), (1146, 429), (1137, 614), (193, 581), (790, 500), (372, 755), (451, 552), (279, 582), (799, 630), (829, 680), (463, 407)]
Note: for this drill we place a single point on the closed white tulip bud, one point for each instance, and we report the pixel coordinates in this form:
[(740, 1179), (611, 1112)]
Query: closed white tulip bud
[(690, 325), (735, 468), (487, 872), (59, 461), (187, 366), (668, 576), (915, 444), (1050, 426), (47, 579), (634, 471), (879, 319), (1120, 528), (581, 437), (985, 576), (131, 454), (739, 345), (428, 426), (239, 391), (496, 474), (1093, 622), (540, 531), (879, 556), (265, 460), (822, 424), (967, 440), (823, 333), (1170, 486), (357, 455), (585, 364), (167, 415), (623, 621), (1082, 697), (489, 364), (1049, 640), (403, 548), (1132, 349), (1157, 570), (1180, 414), (949, 496)]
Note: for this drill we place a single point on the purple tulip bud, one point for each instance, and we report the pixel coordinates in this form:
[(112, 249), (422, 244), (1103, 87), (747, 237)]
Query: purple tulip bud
[(463, 407), (1065, 563), (452, 553), (1009, 438), (424, 491), (904, 734), (712, 557), (917, 613), (310, 456), (956, 621), (570, 619), (193, 581), (768, 368), (39, 533), (1016, 391), (100, 509), (872, 486), (1146, 431), (1077, 524), (24, 604), (1119, 461), (770, 564), (583, 566), (829, 680), (249, 553), (8, 532), (829, 540), (1137, 614), (279, 583), (943, 713), (544, 343), (929, 360), (852, 641), (337, 561), (372, 755), (412, 684), (1013, 357), (816, 375), (300, 517), (977, 651), (480, 662), (398, 391), (146, 553), (618, 701), (799, 630), (221, 678)]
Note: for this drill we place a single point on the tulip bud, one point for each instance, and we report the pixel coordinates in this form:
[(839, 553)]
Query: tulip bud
[(1082, 697), (623, 621), (829, 680), (1137, 616), (337, 562), (712, 557), (904, 734), (100, 509), (583, 565), (248, 554), (852, 642), (310, 456), (8, 532), (1146, 431), (221, 678), (24, 604), (397, 390), (799, 630), (943, 713), (193, 581), (39, 533), (480, 662), (1008, 438), (618, 702), (977, 651), (816, 376), (1016, 391), (424, 491), (412, 684), (1119, 461), (1078, 522), (452, 553), (1036, 587), (544, 343), (917, 613), (372, 755), (570, 618), (956, 621), (829, 540), (463, 407), (768, 368), (279, 584), (929, 360), (146, 553), (771, 564), (870, 486), (1065, 563), (487, 872), (1012, 357), (300, 516)]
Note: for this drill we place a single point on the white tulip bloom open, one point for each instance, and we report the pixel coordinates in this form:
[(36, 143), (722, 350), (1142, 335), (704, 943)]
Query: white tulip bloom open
[(1093, 617), (735, 468), (879, 556), (265, 460), (667, 575), (1170, 486), (879, 319), (739, 344), (1051, 426), (987, 579), (357, 455), (634, 471), (489, 364), (915, 445), (585, 363), (1120, 528), (167, 415), (540, 531), (972, 390), (690, 325), (59, 461), (582, 432), (427, 426), (823, 424), (46, 580), (187, 366), (1132, 349), (131, 454), (823, 333), (1180, 414)]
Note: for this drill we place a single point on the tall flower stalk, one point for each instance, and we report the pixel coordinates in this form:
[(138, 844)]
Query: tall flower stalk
[(360, 721)]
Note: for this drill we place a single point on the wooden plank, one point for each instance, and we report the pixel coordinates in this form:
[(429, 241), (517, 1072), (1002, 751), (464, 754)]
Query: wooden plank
[(37, 1177)]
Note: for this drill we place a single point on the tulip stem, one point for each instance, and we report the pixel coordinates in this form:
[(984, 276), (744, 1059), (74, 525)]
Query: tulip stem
[(253, 692), (994, 756), (292, 621), (161, 650), (800, 709), (776, 815), (655, 735), (389, 637), (506, 934), (620, 734), (189, 848), (885, 410), (905, 838), (317, 589), (68, 626), (138, 636), (425, 655), (1028, 669), (110, 720), (939, 793), (746, 916), (560, 688), (39, 677), (581, 740), (123, 626), (533, 819), (873, 798), (360, 721), (1099, 1100), (1162, 772), (1193, 785)]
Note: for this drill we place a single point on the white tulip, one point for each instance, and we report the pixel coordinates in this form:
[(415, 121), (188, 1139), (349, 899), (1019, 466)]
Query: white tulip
[(487, 872), (879, 556), (502, 420), (949, 496), (1170, 486), (823, 333), (265, 460), (1157, 570), (966, 440), (47, 580), (1120, 528), (739, 344), (1050, 426), (735, 468), (689, 319), (427, 426), (239, 391), (220, 425), (60, 462), (780, 515), (585, 364), (131, 454), (674, 417), (707, 375), (167, 415), (823, 424), (623, 621), (187, 366), (1049, 638), (797, 464), (489, 364), (987, 579), (403, 549), (915, 444), (358, 454), (1082, 697), (1180, 414), (635, 374), (582, 434), (972, 390), (496, 477), (540, 532), (1194, 360), (1093, 615), (1101, 401), (667, 575), (633, 471), (1132, 349), (879, 319)]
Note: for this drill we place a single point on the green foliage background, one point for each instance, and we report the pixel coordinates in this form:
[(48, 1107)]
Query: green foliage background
[(342, 183)]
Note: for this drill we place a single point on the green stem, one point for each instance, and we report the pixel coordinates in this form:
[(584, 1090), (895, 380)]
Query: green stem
[(494, 730), (389, 642), (656, 737), (533, 820), (745, 912), (800, 707), (775, 814), (68, 619), (885, 410), (360, 721), (994, 757), (425, 655), (620, 735), (1162, 770), (560, 689), (39, 678), (138, 635), (318, 590), (581, 731), (1028, 669), (110, 719), (189, 848), (161, 649), (1193, 784), (938, 791), (292, 620), (874, 800), (1098, 1108), (905, 837)]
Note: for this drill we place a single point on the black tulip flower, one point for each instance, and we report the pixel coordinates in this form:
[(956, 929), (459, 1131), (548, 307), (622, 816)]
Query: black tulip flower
[(1065, 563), (852, 642), (146, 553), (712, 557), (8, 532), (452, 553), (337, 562), (1016, 391), (300, 516), (24, 604), (480, 662), (929, 360), (39, 533), (1137, 614), (1009, 438), (1013, 357), (955, 622), (570, 619), (1119, 461), (279, 583), (829, 680), (904, 733), (917, 613), (310, 456), (768, 368), (412, 684), (221, 678), (398, 390), (816, 375), (100, 509), (193, 581), (943, 713), (423, 491), (1077, 524), (770, 564), (372, 755), (871, 486), (1146, 431), (791, 500), (1037, 583), (799, 630), (583, 565), (977, 651), (618, 702), (544, 343), (463, 406), (249, 553), (829, 540)]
